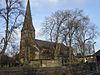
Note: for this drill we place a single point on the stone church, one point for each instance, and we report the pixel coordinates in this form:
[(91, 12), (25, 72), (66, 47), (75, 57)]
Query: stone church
[(34, 50)]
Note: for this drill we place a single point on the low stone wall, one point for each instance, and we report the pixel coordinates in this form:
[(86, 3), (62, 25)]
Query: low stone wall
[(75, 69), (32, 71), (84, 68), (46, 63)]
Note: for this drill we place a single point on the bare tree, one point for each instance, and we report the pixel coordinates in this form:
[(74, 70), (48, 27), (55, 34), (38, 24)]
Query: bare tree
[(10, 14), (84, 35), (70, 27), (52, 26)]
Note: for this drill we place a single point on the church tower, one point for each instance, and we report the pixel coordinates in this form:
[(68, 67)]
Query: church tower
[(27, 41)]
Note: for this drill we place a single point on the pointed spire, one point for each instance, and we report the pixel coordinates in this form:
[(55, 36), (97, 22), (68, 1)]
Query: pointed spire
[(28, 19)]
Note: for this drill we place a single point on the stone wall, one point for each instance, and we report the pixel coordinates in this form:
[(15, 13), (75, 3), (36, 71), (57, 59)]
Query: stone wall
[(32, 71), (45, 63), (75, 69)]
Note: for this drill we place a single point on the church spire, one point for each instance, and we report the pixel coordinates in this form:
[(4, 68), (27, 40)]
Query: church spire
[(27, 37), (28, 19)]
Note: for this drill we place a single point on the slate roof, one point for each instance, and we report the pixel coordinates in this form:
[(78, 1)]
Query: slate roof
[(97, 53), (43, 44), (46, 44)]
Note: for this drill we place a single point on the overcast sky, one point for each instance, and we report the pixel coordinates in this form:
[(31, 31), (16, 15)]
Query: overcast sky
[(42, 8)]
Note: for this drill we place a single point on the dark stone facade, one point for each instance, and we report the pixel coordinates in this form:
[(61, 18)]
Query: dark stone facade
[(31, 48), (27, 37)]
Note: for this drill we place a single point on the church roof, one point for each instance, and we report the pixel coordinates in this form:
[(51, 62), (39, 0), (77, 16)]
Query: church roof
[(42, 43), (46, 44), (97, 53), (28, 25)]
